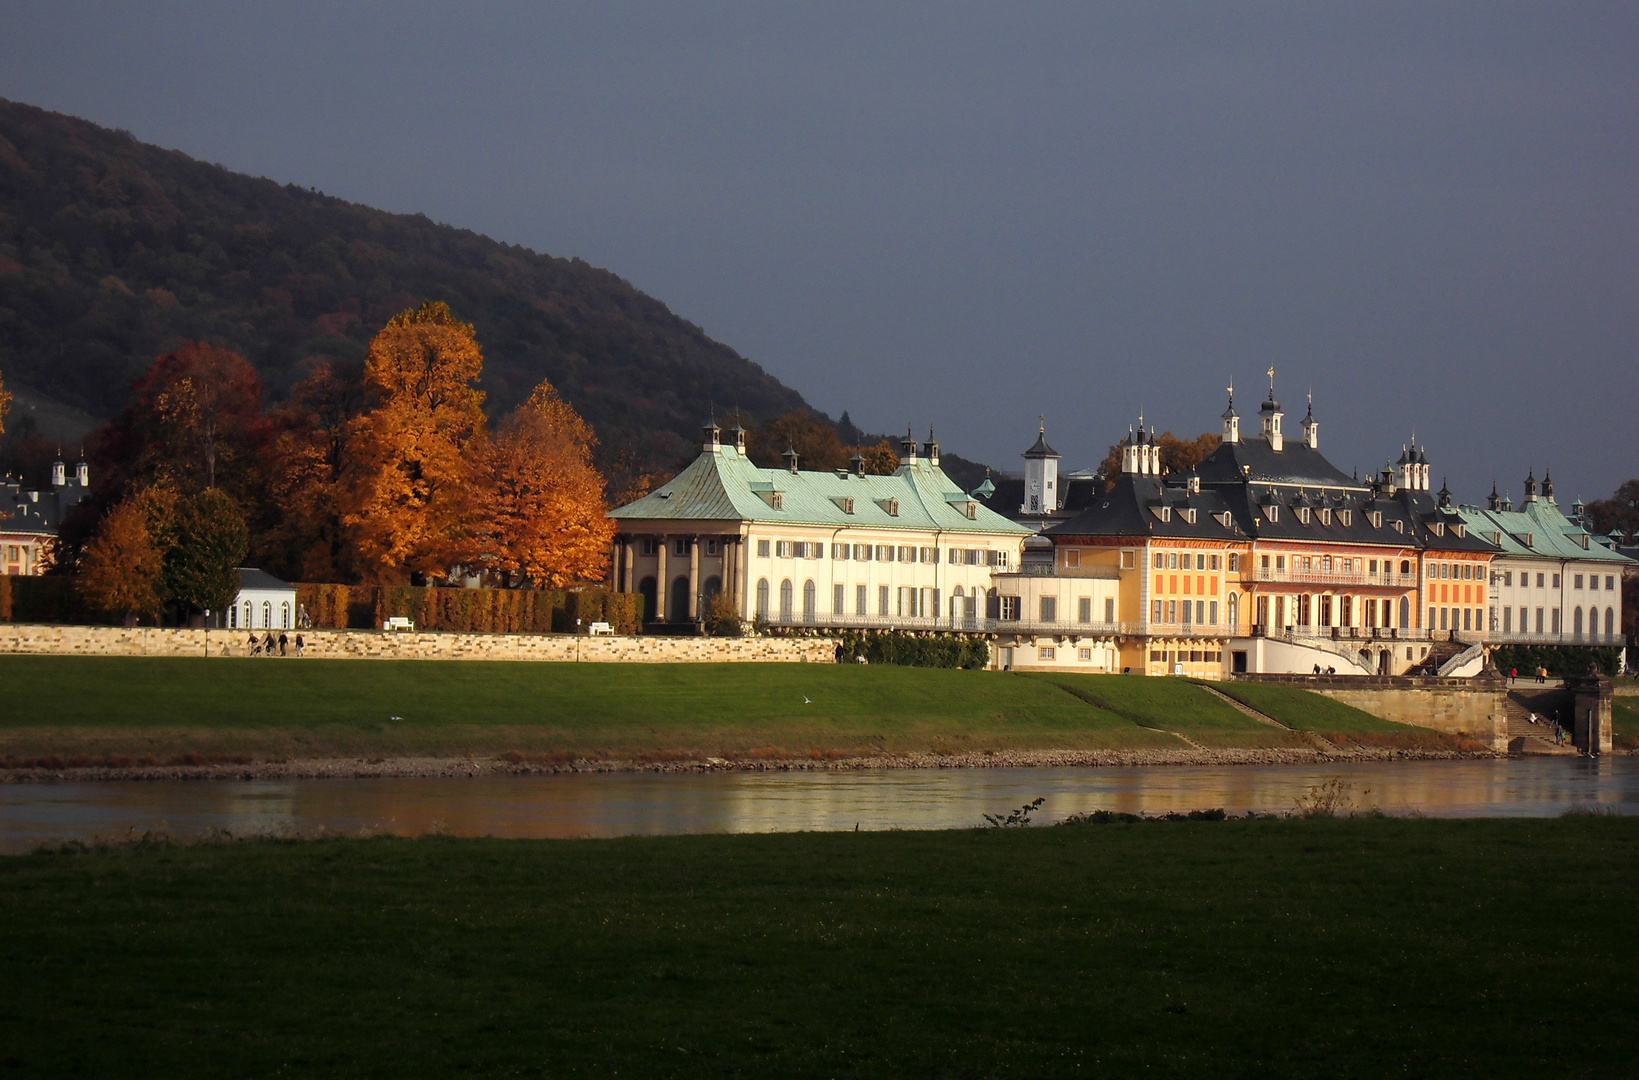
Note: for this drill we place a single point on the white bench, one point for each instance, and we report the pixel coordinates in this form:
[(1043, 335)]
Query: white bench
[(600, 628), (398, 622)]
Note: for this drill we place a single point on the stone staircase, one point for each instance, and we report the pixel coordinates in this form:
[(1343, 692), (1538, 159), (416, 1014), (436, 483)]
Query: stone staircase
[(1525, 737), (1440, 653)]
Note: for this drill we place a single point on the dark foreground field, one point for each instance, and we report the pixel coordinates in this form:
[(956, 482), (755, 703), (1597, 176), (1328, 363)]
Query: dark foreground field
[(1335, 948)]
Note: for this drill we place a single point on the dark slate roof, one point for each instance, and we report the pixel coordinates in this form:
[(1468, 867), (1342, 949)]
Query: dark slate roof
[(1253, 459), (252, 578), (1041, 449), (39, 513), (1130, 509)]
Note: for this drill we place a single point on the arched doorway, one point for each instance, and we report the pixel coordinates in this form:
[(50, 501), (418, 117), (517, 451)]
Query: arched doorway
[(785, 600), (677, 604), (647, 588), (1405, 612), (808, 600), (762, 598)]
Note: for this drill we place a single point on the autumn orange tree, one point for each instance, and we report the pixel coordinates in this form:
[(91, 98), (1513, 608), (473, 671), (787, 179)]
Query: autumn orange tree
[(305, 536), (120, 569), (539, 512), (880, 460), (409, 455)]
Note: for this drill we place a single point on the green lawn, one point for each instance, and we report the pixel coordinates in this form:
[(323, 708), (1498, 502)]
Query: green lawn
[(124, 708), (1172, 705), (1305, 711), (1625, 720), (1270, 948), (104, 706)]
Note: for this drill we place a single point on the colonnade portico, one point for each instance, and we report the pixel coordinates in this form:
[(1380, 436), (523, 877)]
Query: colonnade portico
[(672, 579)]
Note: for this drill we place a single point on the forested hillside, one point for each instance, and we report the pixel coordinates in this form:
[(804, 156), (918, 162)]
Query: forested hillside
[(113, 251)]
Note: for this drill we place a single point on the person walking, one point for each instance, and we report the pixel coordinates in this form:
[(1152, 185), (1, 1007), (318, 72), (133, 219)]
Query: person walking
[(267, 645), (255, 646), (300, 645), (1513, 673), (283, 643)]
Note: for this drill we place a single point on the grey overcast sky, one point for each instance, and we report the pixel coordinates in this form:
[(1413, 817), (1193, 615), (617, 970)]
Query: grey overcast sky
[(967, 214)]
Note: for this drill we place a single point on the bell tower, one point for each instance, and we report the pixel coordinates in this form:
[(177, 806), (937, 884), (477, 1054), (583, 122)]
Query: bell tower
[(1041, 474)]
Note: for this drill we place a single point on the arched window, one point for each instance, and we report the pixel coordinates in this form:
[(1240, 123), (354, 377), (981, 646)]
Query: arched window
[(762, 598), (1576, 622), (284, 615), (267, 615), (1234, 612), (956, 603), (1405, 568), (1610, 622), (250, 624), (808, 600), (1405, 611), (233, 616), (785, 600)]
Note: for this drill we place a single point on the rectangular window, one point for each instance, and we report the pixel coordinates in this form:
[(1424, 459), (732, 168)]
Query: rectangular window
[(955, 556), (1507, 620), (839, 552), (1010, 609), (1265, 563), (907, 553), (1172, 560), (650, 546), (1212, 613), (1155, 612), (762, 549), (1109, 609), (1129, 560), (1593, 580), (1467, 621), (907, 601), (1610, 581), (1049, 609), (1508, 577), (1556, 621), (712, 546), (1172, 611), (1084, 609), (839, 602), (1072, 557), (882, 600), (1280, 562), (1556, 581), (1234, 562), (783, 548), (884, 553), (930, 554), (1539, 581), (1200, 612), (1045, 652), (681, 547), (862, 606), (1084, 654), (1576, 581), (862, 553), (1160, 561)]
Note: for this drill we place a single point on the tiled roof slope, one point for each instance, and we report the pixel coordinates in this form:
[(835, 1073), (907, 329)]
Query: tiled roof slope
[(1254, 460), (1539, 529), (723, 485)]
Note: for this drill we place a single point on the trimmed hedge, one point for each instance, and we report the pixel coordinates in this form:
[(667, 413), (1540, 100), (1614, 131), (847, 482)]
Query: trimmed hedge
[(43, 600), (913, 650), (493, 611), (1560, 660)]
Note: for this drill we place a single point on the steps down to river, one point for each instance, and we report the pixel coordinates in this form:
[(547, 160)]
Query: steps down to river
[(1525, 737)]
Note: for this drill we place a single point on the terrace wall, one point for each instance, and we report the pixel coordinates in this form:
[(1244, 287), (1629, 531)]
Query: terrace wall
[(1475, 707)]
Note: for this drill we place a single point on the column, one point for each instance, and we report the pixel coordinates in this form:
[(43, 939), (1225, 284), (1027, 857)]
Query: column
[(626, 561), (694, 579), (661, 584), (731, 570)]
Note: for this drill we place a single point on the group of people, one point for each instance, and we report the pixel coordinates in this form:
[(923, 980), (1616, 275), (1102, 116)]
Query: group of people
[(1541, 675), (269, 646)]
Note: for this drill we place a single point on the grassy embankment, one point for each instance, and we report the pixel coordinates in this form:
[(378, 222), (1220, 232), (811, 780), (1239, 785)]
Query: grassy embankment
[(1266, 948), (94, 710), (1625, 721), (1331, 720)]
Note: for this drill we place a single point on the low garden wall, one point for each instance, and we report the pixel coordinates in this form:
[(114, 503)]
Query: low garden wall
[(1475, 707), (401, 645)]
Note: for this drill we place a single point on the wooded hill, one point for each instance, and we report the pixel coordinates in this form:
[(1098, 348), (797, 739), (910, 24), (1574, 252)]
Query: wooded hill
[(113, 251)]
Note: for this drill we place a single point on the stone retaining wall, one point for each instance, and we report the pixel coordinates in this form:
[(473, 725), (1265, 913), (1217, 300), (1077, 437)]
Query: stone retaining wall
[(399, 645), (1473, 707)]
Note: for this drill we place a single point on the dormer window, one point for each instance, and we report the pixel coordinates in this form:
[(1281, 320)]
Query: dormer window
[(1460, 530), (1223, 518), (1189, 515), (1272, 513), (776, 499), (1347, 517), (1377, 519), (889, 506), (1164, 513), (1303, 514), (845, 503), (1399, 525), (1439, 528), (1325, 517), (971, 509)]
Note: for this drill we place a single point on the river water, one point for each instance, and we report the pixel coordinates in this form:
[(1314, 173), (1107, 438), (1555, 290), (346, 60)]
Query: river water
[(620, 804)]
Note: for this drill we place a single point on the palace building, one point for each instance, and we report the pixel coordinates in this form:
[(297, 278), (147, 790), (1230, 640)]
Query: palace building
[(814, 549), (1266, 557), (28, 531)]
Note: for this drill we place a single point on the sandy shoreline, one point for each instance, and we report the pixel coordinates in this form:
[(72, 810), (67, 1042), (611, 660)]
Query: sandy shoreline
[(515, 765)]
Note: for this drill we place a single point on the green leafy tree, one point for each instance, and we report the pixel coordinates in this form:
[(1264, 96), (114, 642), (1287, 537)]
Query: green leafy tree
[(211, 541)]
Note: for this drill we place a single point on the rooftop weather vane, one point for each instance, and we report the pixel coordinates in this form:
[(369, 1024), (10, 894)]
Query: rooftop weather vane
[(1271, 379)]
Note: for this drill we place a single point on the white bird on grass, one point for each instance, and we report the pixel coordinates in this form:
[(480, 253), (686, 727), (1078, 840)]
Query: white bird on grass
[(805, 700)]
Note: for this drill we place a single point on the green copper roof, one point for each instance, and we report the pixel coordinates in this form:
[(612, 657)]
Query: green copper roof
[(723, 485), (1538, 530)]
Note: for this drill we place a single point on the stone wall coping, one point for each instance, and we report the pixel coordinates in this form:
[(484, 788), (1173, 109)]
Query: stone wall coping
[(1484, 683)]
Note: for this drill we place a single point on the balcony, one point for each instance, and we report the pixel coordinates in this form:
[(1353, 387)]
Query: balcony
[(1348, 633), (1345, 578), (1519, 637)]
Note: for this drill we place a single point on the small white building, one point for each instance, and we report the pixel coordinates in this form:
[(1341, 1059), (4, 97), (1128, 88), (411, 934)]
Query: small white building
[(262, 603)]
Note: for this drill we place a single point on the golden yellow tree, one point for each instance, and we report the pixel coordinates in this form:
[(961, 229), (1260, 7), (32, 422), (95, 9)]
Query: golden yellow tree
[(540, 512), (408, 465), (120, 569)]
